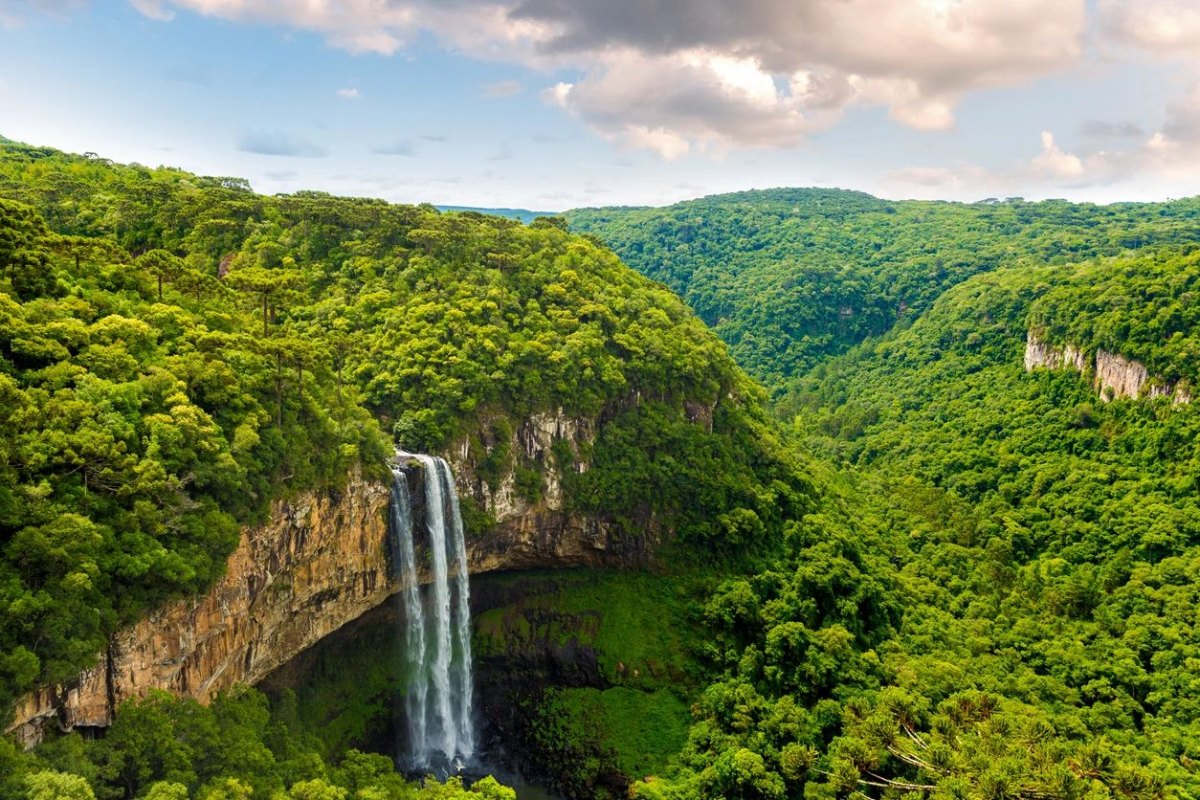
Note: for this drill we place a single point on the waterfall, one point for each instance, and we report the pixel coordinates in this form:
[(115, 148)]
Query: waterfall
[(437, 636)]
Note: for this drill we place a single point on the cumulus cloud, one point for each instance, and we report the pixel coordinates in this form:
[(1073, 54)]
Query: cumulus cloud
[(674, 104), (277, 143), (1054, 162), (684, 75), (1161, 27), (349, 93)]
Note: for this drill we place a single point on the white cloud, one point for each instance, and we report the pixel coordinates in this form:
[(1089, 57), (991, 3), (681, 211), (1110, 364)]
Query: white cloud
[(1053, 162), (694, 101), (1160, 27), (153, 9), (349, 93), (717, 73)]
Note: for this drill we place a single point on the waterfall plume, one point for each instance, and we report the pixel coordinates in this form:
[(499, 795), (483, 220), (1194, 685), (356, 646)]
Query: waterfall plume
[(437, 622)]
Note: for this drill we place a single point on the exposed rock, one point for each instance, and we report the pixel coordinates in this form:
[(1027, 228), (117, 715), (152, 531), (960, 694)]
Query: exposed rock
[(1117, 376), (539, 531), (1113, 375), (1039, 353), (322, 561)]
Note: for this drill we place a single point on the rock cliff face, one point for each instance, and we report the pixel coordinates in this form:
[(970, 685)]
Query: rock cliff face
[(321, 562), (1113, 375), (539, 531)]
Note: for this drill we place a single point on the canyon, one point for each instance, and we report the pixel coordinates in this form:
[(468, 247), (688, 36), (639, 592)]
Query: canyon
[(322, 560)]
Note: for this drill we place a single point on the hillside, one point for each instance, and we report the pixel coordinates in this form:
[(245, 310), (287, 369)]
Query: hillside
[(964, 571), (177, 351), (789, 277), (1046, 533)]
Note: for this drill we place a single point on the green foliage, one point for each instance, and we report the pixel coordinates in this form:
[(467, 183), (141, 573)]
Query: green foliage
[(789, 277), (176, 352), (164, 748), (991, 601), (639, 731)]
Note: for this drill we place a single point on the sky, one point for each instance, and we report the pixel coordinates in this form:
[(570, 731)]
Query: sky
[(557, 104)]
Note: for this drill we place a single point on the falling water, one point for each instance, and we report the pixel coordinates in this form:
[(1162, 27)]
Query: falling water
[(414, 613), (438, 636)]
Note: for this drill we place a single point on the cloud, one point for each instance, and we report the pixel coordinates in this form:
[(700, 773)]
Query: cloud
[(502, 89), (503, 152), (349, 93), (1054, 162), (153, 9), (401, 148), (696, 100), (1160, 27), (681, 76), (276, 143)]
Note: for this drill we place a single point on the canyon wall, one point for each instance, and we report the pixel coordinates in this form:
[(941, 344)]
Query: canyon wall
[(321, 561), (535, 532), (1113, 375)]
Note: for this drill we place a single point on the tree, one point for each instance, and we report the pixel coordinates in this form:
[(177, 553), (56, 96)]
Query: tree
[(266, 283), (24, 259), (162, 265)]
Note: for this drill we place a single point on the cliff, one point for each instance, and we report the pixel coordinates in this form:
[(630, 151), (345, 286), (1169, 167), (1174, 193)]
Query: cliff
[(320, 562), (1113, 375), (533, 526)]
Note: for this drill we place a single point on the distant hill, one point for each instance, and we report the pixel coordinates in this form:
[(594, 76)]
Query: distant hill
[(523, 214), (789, 277)]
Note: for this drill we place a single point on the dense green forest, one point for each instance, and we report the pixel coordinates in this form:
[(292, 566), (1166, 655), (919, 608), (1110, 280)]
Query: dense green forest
[(1016, 609), (177, 351), (789, 277), (932, 575)]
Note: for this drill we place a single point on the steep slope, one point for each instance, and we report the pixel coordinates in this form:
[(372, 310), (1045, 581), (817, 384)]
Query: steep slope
[(179, 352), (788, 277), (1044, 539)]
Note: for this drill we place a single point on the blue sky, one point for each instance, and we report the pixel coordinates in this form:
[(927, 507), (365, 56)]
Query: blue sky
[(553, 104)]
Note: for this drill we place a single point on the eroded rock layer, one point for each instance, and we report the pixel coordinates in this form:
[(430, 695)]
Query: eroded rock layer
[(322, 561)]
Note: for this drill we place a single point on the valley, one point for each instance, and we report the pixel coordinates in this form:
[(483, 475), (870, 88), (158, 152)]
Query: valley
[(789, 494)]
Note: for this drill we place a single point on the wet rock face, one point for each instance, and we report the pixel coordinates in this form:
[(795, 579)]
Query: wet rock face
[(540, 650)]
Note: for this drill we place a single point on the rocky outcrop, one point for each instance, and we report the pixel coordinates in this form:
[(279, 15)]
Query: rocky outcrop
[(533, 525), (320, 562), (1113, 375), (1039, 353)]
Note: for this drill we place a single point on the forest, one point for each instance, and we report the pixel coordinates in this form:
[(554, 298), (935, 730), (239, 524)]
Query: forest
[(178, 351), (901, 566)]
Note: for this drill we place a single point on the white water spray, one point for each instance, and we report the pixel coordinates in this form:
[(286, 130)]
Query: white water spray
[(439, 700)]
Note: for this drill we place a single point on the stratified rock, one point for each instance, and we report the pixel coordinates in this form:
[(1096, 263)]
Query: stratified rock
[(320, 562)]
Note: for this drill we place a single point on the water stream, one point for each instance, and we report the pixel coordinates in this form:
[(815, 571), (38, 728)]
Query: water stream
[(439, 693)]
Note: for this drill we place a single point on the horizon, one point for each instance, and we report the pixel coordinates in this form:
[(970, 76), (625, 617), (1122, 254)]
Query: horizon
[(514, 210), (536, 105)]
